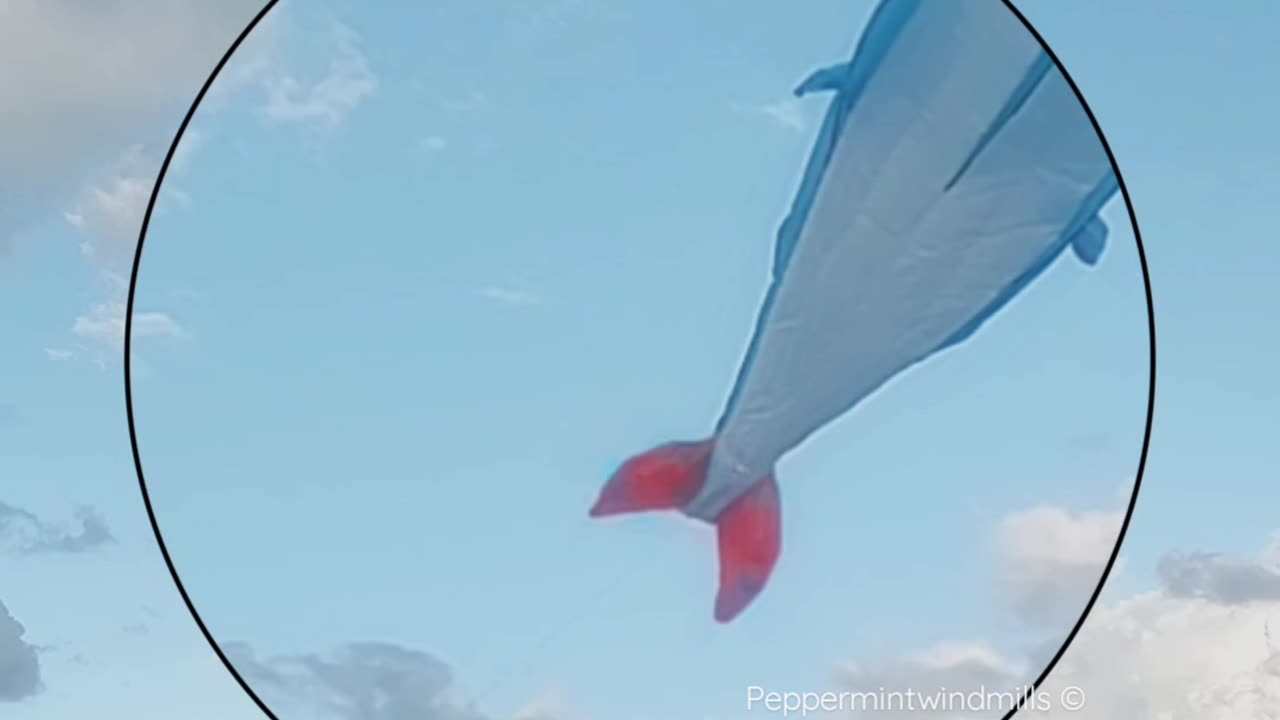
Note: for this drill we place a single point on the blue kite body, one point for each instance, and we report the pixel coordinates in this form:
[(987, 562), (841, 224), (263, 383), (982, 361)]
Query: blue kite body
[(954, 165)]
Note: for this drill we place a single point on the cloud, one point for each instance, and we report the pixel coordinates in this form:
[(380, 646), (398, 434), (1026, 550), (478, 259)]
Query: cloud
[(110, 204), (93, 84), (93, 532), (550, 706), (472, 101), (104, 86), (1204, 645), (191, 142), (940, 678), (109, 214), (19, 663), (28, 534), (327, 101), (1218, 577), (785, 113), (361, 681), (105, 323), (1167, 654), (109, 211), (1051, 561), (9, 415), (433, 143), (510, 296), (104, 89)]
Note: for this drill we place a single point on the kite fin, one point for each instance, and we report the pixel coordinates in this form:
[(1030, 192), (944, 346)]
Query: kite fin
[(1089, 243), (664, 478), (749, 534), (748, 531), (828, 79)]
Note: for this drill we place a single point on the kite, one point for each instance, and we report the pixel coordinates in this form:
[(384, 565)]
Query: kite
[(954, 165)]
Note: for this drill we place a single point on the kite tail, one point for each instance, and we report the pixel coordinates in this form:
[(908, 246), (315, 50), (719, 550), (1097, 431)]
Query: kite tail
[(748, 531)]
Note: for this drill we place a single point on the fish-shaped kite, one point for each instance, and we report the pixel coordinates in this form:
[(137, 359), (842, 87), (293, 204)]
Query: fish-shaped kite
[(954, 165)]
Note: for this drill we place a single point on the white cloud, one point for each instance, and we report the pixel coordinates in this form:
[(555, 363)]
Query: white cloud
[(96, 78), (433, 143), (939, 678), (102, 91), (1205, 645), (1165, 655), (109, 218), (550, 706), (786, 113), (327, 101), (191, 142), (472, 101), (1051, 561), (105, 323), (510, 296), (111, 208)]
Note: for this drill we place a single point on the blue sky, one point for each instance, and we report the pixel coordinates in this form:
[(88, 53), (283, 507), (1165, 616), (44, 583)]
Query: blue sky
[(424, 276)]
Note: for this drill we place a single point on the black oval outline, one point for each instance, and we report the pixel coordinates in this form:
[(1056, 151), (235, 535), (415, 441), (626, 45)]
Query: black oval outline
[(244, 685)]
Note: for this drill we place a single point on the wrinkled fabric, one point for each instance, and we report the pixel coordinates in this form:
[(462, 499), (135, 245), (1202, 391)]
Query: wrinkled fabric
[(954, 165)]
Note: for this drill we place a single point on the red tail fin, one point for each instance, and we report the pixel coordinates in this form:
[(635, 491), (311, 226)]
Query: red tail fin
[(664, 478), (749, 530), (750, 537)]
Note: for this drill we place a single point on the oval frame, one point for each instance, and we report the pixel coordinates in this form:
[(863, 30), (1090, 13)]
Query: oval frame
[(248, 689)]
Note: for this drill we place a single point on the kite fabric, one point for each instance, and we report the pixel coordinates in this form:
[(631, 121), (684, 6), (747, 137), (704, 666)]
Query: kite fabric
[(954, 165)]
